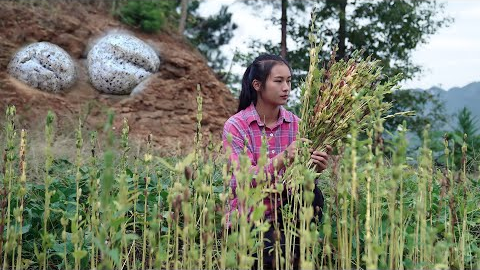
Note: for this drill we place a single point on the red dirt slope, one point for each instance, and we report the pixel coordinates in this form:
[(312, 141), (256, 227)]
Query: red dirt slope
[(166, 108)]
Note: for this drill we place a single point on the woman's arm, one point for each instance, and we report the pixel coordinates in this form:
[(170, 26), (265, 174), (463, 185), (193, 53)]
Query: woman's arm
[(235, 141)]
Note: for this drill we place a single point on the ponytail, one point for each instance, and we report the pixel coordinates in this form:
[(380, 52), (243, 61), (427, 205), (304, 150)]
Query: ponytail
[(259, 70), (248, 93)]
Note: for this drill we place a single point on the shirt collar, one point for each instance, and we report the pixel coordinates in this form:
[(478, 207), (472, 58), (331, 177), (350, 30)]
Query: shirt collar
[(252, 115)]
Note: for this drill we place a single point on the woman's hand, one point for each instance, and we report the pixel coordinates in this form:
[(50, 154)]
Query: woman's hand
[(291, 150), (320, 159)]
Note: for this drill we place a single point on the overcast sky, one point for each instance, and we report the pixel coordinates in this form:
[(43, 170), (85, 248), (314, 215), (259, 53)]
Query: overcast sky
[(451, 58)]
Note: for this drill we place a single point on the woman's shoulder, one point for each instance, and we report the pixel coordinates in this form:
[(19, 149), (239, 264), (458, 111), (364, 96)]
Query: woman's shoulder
[(290, 116), (235, 120), (295, 117)]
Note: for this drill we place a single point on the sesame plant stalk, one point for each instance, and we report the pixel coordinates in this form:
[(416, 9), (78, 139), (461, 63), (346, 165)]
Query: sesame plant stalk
[(157, 225), (21, 194), (223, 222), (346, 188), (353, 200), (288, 219), (185, 209), (354, 230), (449, 220), (170, 223), (64, 222), (395, 186), (373, 175), (257, 195), (123, 185), (425, 164), (179, 200), (307, 233), (213, 208), (123, 205), (463, 230), (104, 239), (209, 229), (93, 196), (147, 161), (162, 219), (327, 246), (124, 145), (77, 231), (379, 190), (176, 219), (152, 240), (135, 213), (8, 182), (250, 198), (204, 184), (371, 258), (200, 193), (46, 236)]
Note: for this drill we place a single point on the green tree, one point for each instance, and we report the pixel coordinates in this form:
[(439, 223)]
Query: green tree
[(209, 34), (149, 16), (389, 30), (286, 6), (466, 130)]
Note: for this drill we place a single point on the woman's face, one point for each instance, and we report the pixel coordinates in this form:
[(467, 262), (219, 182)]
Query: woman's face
[(277, 86)]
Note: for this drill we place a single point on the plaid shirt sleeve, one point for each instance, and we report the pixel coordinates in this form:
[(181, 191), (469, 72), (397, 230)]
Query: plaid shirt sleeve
[(237, 147)]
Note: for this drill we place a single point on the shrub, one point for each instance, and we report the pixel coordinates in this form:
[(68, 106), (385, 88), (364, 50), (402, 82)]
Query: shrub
[(149, 16)]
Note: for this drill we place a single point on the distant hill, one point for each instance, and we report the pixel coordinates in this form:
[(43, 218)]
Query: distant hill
[(458, 97)]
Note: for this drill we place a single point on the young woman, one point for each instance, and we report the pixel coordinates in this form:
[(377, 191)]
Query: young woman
[(266, 87)]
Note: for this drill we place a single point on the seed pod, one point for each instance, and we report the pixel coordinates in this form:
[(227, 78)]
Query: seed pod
[(186, 193), (276, 235), (188, 173)]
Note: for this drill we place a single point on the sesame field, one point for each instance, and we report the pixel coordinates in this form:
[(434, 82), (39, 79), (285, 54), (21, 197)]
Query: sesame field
[(115, 205), (117, 162)]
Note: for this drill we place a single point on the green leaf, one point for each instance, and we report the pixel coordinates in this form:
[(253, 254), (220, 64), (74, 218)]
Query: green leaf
[(26, 228), (166, 164), (114, 255), (79, 254), (258, 212)]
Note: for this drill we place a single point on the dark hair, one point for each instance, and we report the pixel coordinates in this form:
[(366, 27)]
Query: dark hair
[(258, 70)]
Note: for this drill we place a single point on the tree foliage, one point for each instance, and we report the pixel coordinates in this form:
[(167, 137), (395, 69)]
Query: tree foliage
[(389, 30), (466, 131), (149, 16), (209, 34)]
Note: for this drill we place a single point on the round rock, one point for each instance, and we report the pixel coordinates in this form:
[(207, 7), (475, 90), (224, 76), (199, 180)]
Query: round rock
[(44, 66), (117, 63)]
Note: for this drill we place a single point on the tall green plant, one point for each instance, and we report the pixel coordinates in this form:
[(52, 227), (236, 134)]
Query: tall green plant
[(8, 189)]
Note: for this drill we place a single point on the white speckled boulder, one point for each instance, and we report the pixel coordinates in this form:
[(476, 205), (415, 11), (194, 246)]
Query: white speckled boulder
[(44, 66), (117, 63)]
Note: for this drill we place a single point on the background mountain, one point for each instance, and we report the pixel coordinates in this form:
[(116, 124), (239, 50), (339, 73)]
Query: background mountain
[(456, 98)]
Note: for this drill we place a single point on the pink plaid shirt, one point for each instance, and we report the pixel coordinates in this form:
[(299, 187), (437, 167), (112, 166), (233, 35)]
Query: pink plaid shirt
[(247, 125)]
